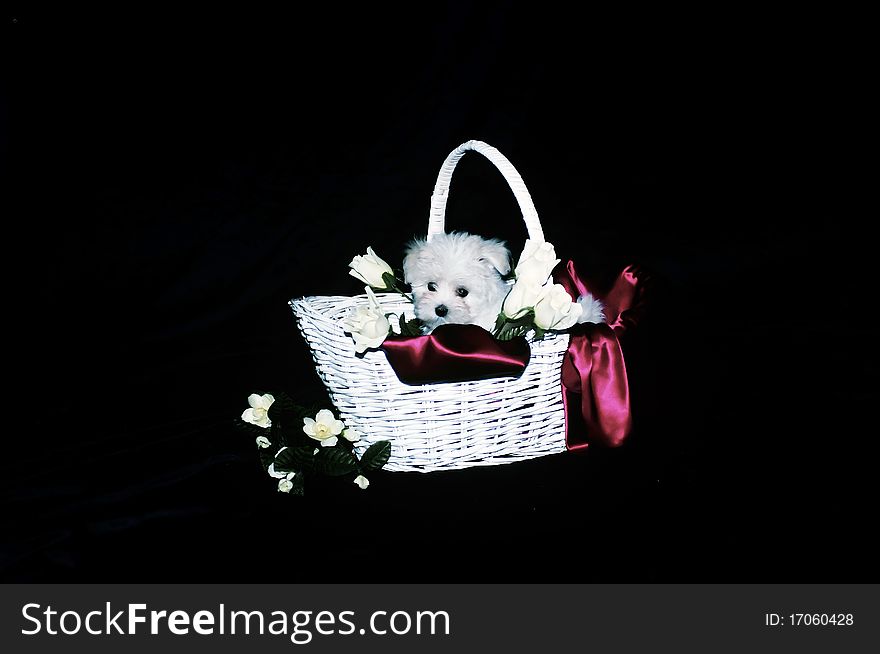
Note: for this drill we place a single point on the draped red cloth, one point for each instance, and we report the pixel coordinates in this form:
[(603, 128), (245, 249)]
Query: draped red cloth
[(455, 353), (595, 390)]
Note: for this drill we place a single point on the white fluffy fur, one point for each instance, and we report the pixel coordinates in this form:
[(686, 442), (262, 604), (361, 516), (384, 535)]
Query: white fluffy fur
[(460, 261), (593, 309), (451, 263)]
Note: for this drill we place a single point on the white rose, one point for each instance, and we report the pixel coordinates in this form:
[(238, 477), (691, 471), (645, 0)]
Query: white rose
[(521, 298), (536, 262), (362, 481), (555, 310), (258, 414), (324, 428), (285, 485), (369, 268), (263, 442), (368, 326)]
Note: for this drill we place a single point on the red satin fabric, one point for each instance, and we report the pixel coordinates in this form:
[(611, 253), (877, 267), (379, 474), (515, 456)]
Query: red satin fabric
[(595, 389), (455, 353)]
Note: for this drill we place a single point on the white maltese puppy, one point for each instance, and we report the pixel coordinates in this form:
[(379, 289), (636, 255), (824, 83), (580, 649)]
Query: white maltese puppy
[(457, 278), (460, 278)]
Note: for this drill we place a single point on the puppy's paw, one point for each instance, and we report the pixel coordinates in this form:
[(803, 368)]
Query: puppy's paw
[(593, 309)]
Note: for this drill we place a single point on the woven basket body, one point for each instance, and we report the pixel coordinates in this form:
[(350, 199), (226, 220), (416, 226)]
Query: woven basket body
[(440, 426)]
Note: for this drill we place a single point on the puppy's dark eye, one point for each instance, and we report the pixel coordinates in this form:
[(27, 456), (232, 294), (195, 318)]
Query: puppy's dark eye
[(461, 292), (432, 286)]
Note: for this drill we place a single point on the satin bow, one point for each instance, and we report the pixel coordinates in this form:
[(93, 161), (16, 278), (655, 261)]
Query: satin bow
[(595, 390)]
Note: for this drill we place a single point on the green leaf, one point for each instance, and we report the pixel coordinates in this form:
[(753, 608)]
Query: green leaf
[(390, 282), (280, 432), (499, 322), (251, 429), (376, 455), (295, 459), (283, 408), (267, 456), (507, 328), (410, 327), (335, 461), (298, 487)]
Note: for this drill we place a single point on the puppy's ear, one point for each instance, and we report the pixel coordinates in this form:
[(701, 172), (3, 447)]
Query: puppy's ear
[(497, 255), (415, 253)]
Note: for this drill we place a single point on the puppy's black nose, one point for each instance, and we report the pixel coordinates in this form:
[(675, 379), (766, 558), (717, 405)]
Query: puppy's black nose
[(441, 310)]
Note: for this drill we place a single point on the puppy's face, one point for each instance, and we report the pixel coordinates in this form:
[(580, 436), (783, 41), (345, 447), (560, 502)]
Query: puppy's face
[(456, 278)]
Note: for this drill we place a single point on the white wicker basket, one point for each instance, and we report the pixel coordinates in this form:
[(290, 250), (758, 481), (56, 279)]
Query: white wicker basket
[(440, 426)]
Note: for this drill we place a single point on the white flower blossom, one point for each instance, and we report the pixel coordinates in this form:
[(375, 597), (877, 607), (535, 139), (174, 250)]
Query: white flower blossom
[(271, 470), (274, 473), (362, 481), (522, 297), (263, 442), (555, 309), (258, 414), (368, 326), (369, 268), (324, 428), (352, 435), (537, 261), (285, 485)]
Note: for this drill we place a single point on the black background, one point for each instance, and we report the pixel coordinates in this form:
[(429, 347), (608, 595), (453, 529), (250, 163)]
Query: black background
[(176, 178)]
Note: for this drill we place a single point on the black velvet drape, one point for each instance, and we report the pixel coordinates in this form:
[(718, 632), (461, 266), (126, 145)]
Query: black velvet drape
[(174, 178)]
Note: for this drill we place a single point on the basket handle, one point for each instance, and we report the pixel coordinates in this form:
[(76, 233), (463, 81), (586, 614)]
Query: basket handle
[(437, 219)]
